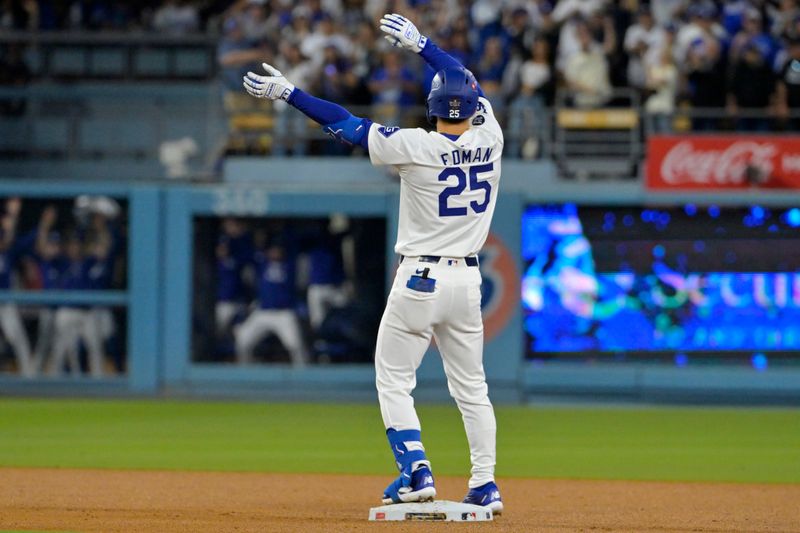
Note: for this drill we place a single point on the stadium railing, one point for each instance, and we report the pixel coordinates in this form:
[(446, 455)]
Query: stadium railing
[(102, 122), (116, 55), (148, 121)]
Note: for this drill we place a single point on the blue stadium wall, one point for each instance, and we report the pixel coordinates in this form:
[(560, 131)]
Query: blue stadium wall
[(158, 298)]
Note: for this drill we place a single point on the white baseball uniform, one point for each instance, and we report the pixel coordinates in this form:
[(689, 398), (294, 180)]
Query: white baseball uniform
[(14, 332), (262, 322), (447, 197), (73, 325)]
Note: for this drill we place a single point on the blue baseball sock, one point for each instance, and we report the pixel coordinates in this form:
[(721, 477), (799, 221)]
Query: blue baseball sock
[(409, 454)]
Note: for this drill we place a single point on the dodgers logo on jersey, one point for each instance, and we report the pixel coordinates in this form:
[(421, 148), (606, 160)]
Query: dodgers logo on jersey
[(388, 131), (501, 280)]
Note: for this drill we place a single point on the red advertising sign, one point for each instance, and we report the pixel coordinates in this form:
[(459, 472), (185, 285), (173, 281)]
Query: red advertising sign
[(723, 162)]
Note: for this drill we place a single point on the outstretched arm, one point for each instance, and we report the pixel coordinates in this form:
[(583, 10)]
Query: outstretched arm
[(334, 119), (402, 33)]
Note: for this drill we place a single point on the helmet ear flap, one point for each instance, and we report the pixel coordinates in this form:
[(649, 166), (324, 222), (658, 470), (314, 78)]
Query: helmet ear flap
[(431, 118)]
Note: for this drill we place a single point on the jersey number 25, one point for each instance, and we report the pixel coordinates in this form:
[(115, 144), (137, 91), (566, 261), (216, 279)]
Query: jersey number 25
[(474, 185)]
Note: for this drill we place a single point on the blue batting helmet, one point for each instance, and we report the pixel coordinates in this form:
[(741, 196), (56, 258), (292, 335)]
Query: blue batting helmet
[(454, 94)]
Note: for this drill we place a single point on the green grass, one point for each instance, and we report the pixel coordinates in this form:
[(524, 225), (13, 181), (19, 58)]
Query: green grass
[(745, 445)]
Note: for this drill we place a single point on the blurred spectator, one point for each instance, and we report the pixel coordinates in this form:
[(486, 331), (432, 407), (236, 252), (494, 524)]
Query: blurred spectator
[(252, 15), (291, 126), (337, 79), (489, 69), (702, 31), (484, 12), (750, 89), (237, 54), (643, 43), (458, 45), (667, 11), (570, 15), (784, 17), (526, 114), (753, 34), (364, 50), (793, 31), (176, 17), (394, 87), (734, 13), (521, 31), (586, 72), (344, 55), (662, 81), (324, 36), (299, 28), (699, 51), (602, 27), (788, 88)]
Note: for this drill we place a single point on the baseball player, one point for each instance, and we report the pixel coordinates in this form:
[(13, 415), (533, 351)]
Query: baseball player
[(75, 323), (47, 254), (10, 321), (326, 281), (99, 215), (234, 250), (449, 181), (275, 312)]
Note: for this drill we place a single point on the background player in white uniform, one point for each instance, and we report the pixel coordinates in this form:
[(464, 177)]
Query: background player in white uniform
[(330, 263), (275, 281), (47, 255), (83, 270), (10, 321), (233, 253), (449, 183)]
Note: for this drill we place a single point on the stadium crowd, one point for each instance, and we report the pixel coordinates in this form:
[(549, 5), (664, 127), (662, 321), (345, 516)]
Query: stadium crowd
[(735, 56)]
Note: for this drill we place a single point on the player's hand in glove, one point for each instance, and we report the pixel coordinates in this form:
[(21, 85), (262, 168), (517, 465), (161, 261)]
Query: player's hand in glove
[(402, 33), (274, 86)]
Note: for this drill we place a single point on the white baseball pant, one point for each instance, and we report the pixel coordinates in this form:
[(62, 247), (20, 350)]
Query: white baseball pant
[(105, 321), (44, 335), (452, 316), (260, 323), (15, 334), (224, 313), (321, 298), (72, 325)]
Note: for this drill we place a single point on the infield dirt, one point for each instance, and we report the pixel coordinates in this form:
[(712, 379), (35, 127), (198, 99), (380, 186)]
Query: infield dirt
[(160, 501)]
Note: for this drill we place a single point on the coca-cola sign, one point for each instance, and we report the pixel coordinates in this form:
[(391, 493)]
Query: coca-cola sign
[(723, 162)]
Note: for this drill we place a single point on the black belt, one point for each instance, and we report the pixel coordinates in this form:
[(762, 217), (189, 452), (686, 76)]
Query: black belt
[(471, 261)]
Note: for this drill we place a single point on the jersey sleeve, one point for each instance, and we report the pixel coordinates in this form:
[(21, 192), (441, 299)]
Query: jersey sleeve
[(484, 118), (392, 145)]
